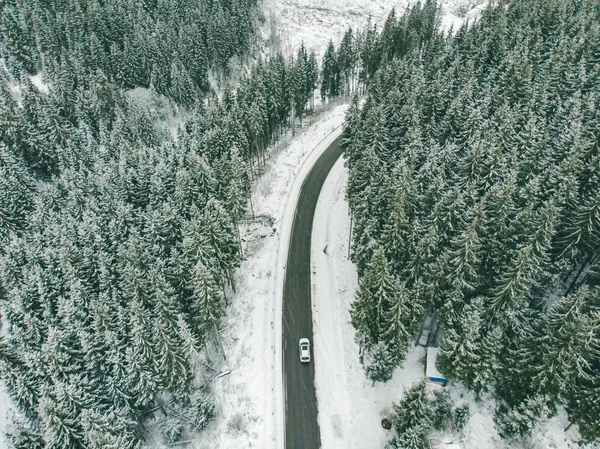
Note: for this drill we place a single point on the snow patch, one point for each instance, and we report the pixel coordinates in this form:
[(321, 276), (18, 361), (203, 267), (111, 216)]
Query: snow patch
[(39, 83), (315, 22), (6, 406)]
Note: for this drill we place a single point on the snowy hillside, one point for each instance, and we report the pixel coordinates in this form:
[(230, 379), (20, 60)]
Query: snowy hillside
[(315, 22)]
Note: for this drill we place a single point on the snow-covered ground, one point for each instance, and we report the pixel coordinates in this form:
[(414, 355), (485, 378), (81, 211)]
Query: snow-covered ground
[(315, 22), (6, 406)]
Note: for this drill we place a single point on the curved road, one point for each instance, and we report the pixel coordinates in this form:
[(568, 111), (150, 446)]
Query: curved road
[(301, 425)]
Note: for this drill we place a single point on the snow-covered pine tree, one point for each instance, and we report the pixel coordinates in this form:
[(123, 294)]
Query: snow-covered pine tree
[(412, 418), (521, 420), (18, 43), (170, 360), (396, 235), (583, 402), (347, 59), (208, 301), (142, 369), (383, 361), (400, 323), (23, 434), (468, 352), (460, 263), (511, 289), (330, 73)]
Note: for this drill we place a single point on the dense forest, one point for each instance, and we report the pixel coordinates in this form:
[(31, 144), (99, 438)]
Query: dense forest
[(475, 192), (474, 188), (118, 235)]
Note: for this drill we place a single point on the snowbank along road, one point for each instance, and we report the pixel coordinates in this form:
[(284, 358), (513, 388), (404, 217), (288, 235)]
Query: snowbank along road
[(301, 425)]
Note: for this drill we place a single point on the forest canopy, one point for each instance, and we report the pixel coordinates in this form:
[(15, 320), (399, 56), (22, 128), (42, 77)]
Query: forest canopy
[(118, 234), (475, 191)]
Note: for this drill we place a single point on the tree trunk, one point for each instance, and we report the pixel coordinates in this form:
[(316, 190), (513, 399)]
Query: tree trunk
[(350, 235), (591, 263), (293, 121), (237, 227), (251, 206), (231, 281), (218, 338)]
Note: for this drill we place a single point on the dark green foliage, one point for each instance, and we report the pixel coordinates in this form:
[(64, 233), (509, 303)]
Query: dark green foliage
[(203, 412), (468, 352), (330, 73), (414, 410), (382, 364), (474, 169), (22, 434), (16, 193), (584, 402), (418, 413), (135, 44), (17, 45), (442, 410), (374, 300), (460, 417), (117, 241), (520, 420), (104, 218), (412, 418), (304, 74), (171, 430), (401, 322), (346, 63)]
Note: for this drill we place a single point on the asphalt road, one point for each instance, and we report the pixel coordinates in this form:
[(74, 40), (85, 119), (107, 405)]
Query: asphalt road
[(301, 425)]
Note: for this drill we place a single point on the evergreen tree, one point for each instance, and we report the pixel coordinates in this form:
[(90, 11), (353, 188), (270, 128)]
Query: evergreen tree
[(514, 284), (103, 214), (173, 368), (400, 323), (382, 364), (521, 420), (346, 61), (468, 353), (374, 300), (584, 403), (396, 235), (22, 434), (18, 43), (209, 304), (143, 371), (329, 73), (412, 418), (580, 233)]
